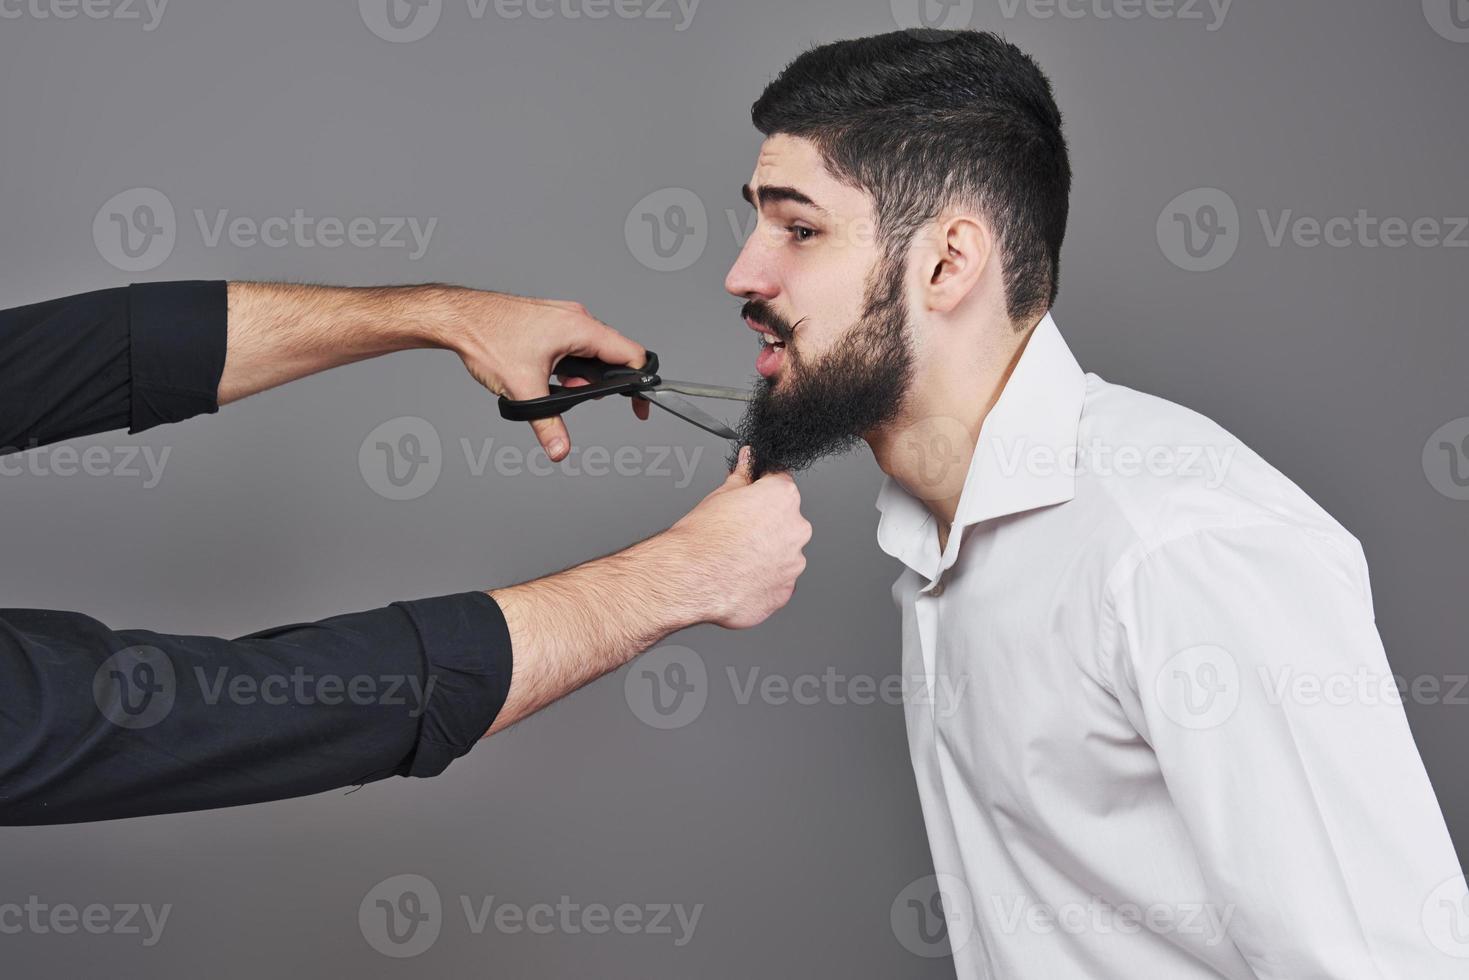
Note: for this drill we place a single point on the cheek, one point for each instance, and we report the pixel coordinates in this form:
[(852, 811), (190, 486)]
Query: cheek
[(829, 312), (827, 286)]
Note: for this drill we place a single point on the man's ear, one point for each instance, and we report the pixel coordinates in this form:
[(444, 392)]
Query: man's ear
[(958, 255)]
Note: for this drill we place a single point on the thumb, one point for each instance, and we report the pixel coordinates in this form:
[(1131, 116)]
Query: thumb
[(740, 475), (552, 435)]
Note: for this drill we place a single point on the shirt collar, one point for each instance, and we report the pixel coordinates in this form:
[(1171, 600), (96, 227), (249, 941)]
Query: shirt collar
[(1019, 461)]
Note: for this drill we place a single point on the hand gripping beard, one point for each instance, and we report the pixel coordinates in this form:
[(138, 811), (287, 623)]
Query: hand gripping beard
[(823, 407)]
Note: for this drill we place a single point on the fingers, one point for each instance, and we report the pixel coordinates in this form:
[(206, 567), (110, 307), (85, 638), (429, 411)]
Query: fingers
[(740, 475), (547, 331), (640, 407), (584, 334), (606, 344)]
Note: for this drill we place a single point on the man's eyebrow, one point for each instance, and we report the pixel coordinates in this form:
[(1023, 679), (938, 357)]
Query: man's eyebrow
[(769, 194)]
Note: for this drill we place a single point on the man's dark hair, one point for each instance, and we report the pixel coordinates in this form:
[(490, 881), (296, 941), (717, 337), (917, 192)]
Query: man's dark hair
[(920, 119)]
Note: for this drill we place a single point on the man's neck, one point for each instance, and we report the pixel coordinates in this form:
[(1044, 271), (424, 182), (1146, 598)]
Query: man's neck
[(929, 447)]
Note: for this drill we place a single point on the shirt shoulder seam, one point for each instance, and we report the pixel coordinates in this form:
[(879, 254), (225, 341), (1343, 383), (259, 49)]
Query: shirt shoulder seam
[(1135, 557)]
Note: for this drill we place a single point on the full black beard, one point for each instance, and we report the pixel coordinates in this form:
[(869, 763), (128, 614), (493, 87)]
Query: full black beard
[(824, 408)]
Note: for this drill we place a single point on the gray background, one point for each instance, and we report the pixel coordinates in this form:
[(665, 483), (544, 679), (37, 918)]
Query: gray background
[(531, 140)]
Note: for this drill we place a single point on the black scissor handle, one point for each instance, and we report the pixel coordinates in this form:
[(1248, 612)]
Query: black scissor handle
[(606, 379)]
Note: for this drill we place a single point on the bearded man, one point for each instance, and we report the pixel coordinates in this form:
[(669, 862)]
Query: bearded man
[(1113, 584)]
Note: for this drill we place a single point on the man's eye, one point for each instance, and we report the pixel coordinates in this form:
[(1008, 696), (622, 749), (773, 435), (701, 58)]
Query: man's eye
[(801, 233)]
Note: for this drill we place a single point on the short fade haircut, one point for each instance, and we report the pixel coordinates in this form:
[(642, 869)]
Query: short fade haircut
[(924, 119)]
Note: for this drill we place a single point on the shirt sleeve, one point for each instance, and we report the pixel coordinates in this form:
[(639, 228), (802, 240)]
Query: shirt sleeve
[(1249, 660), (97, 724), (134, 356)]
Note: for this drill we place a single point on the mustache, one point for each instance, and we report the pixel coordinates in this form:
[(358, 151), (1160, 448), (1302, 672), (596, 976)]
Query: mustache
[(761, 312)]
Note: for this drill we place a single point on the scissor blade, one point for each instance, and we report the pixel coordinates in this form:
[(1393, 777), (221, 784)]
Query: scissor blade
[(705, 391), (688, 411)]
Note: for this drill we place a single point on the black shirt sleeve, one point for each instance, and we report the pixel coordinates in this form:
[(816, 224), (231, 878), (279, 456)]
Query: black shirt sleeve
[(97, 723), (136, 356)]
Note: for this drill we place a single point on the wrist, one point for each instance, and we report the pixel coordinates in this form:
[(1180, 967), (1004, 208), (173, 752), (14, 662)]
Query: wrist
[(680, 596), (423, 316), (641, 594)]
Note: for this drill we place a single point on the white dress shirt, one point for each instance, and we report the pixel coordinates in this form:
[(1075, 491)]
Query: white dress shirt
[(1157, 737)]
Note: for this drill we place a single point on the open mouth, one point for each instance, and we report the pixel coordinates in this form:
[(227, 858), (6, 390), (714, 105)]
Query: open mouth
[(772, 354), (772, 348)]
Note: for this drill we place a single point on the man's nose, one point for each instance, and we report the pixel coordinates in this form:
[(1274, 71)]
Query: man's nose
[(753, 274)]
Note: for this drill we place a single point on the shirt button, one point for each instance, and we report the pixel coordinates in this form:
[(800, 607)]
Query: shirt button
[(937, 590)]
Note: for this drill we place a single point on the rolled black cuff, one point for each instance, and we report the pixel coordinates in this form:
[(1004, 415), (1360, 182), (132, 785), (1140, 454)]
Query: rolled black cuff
[(178, 334), (466, 644)]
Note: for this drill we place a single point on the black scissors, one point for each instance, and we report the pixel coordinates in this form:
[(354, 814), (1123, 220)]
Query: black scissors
[(619, 379)]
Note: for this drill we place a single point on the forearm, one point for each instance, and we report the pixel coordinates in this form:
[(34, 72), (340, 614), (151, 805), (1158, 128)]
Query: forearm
[(568, 629), (510, 344), (279, 332)]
